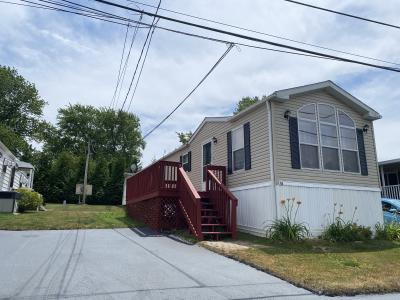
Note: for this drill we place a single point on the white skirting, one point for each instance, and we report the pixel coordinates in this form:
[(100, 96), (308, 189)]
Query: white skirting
[(317, 204), (256, 207)]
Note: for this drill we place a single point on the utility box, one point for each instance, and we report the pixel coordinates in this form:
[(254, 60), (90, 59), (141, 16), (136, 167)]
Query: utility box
[(8, 201)]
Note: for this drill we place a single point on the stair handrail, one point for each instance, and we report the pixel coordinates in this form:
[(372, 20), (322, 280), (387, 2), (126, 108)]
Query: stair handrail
[(190, 202), (228, 207)]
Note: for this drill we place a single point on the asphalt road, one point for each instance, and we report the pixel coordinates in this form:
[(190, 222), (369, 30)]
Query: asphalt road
[(122, 264)]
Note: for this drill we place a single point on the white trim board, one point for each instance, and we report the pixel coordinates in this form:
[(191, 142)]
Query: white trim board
[(329, 186), (251, 186)]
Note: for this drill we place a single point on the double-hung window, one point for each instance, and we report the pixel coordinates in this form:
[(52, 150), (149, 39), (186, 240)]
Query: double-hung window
[(308, 137), (348, 139), (238, 149), (329, 137), (185, 161)]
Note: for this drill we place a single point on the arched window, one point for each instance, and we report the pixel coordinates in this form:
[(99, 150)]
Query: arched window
[(348, 141), (308, 137), (329, 137)]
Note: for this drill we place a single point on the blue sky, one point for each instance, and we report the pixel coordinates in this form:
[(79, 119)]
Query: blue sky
[(73, 59)]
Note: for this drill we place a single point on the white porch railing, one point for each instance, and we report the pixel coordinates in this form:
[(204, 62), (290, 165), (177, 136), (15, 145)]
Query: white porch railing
[(391, 191)]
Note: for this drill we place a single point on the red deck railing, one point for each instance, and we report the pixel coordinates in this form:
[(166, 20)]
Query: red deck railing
[(163, 197), (223, 200), (159, 179), (190, 202)]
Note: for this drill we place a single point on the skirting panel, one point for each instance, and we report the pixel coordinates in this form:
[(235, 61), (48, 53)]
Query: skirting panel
[(256, 207), (318, 205)]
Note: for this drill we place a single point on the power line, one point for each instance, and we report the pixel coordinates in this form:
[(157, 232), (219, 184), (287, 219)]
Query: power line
[(140, 57), (182, 33), (191, 92), (126, 62), (266, 34), (46, 7), (141, 68), (120, 66), (344, 14), (254, 39), (313, 53)]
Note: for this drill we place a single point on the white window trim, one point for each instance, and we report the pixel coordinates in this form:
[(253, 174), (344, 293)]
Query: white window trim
[(342, 148), (233, 150), (319, 139), (310, 144)]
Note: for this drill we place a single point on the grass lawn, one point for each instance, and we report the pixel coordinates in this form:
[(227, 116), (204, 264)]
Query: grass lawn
[(320, 266), (71, 216)]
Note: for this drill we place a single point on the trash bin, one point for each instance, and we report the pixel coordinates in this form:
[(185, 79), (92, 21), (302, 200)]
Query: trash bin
[(8, 201)]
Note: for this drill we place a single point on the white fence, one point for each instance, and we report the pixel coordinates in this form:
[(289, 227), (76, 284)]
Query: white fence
[(391, 191)]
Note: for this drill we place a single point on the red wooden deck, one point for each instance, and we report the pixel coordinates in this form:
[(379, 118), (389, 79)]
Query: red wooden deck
[(163, 197)]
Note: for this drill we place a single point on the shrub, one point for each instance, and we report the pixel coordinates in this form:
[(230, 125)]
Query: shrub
[(341, 231), (29, 200), (390, 231), (287, 228)]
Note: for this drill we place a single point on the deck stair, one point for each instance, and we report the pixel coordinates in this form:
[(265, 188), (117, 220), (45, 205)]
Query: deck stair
[(163, 197), (212, 225)]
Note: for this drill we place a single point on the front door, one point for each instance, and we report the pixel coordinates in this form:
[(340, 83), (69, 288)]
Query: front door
[(207, 160)]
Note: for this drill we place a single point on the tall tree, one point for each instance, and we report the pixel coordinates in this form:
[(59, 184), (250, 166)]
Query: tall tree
[(21, 110), (244, 103)]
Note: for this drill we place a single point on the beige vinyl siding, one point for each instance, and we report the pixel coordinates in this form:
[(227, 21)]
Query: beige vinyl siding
[(283, 169), (259, 137)]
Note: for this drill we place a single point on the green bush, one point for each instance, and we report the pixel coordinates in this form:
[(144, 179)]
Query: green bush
[(287, 228), (390, 231), (341, 231), (29, 200)]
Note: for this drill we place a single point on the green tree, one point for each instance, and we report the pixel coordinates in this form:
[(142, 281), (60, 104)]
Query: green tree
[(21, 111), (63, 178), (245, 103), (184, 137)]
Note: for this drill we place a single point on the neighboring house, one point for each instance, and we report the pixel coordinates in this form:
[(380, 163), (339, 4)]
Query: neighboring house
[(390, 178), (314, 143), (14, 173)]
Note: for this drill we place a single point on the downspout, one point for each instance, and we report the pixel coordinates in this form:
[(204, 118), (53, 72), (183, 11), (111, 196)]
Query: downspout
[(271, 156)]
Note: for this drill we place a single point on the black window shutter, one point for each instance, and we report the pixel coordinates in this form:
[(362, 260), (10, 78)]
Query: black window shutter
[(361, 152), (294, 143), (247, 150), (189, 168), (180, 158), (229, 147)]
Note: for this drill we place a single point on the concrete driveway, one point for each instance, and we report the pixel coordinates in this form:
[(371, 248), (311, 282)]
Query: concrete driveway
[(122, 264)]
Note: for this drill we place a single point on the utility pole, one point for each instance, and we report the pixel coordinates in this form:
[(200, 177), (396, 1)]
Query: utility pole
[(86, 173)]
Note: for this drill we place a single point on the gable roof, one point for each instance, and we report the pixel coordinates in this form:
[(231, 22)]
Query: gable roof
[(24, 165), (332, 89)]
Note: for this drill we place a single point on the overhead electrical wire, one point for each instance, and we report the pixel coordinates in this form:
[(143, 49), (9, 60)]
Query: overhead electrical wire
[(120, 67), (254, 39), (313, 53), (191, 92), (187, 34), (51, 8), (266, 34), (135, 32), (143, 62), (141, 69), (343, 14), (140, 57)]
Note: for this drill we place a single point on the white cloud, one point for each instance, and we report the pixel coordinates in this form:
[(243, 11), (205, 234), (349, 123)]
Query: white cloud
[(74, 59)]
